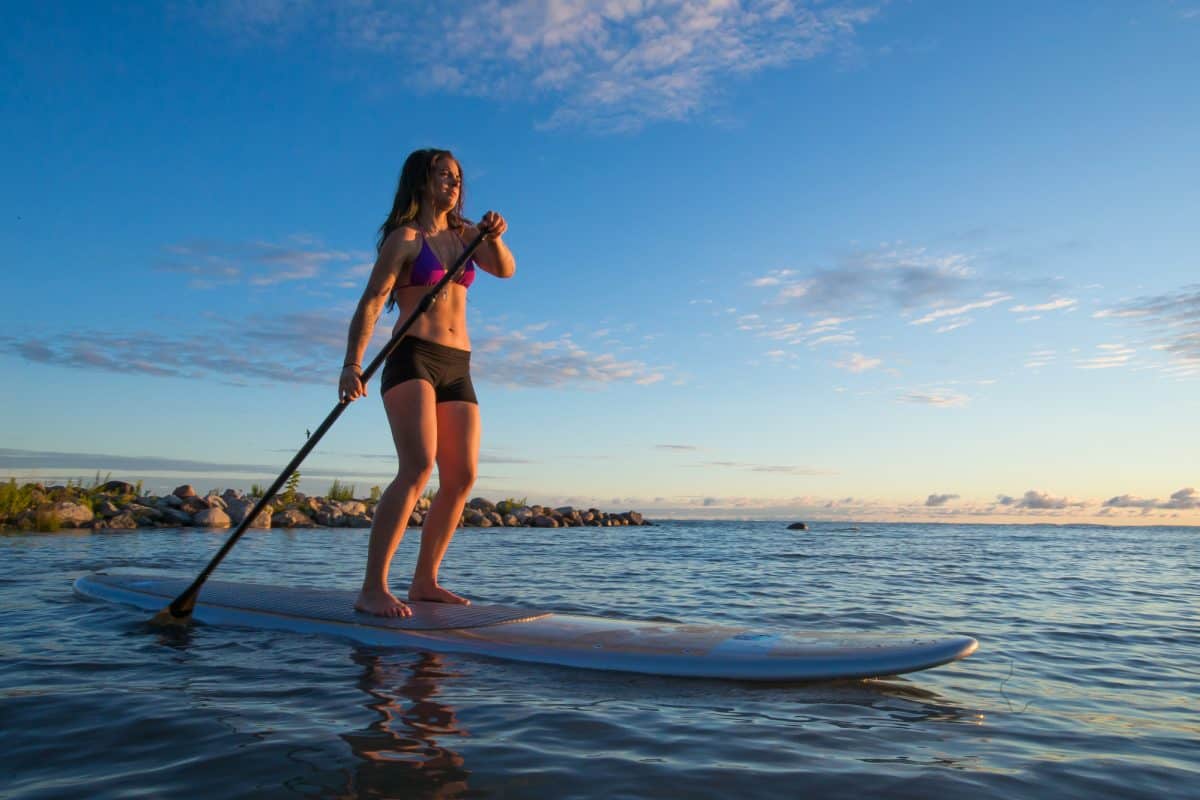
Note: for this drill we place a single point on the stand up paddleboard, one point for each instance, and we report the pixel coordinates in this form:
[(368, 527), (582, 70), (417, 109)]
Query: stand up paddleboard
[(523, 634)]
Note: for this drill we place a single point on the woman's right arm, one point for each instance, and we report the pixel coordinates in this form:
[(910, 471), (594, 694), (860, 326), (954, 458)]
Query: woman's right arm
[(392, 257)]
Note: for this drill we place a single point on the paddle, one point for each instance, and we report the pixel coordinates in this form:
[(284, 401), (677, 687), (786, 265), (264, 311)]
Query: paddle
[(179, 612)]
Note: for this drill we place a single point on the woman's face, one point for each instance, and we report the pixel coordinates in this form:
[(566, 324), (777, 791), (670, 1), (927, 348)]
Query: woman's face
[(445, 181)]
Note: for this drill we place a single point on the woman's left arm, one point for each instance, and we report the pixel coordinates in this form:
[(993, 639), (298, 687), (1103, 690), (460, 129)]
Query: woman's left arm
[(494, 256)]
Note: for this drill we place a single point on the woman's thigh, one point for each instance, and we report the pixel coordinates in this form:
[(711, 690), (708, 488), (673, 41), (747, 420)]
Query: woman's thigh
[(412, 415), (458, 430)]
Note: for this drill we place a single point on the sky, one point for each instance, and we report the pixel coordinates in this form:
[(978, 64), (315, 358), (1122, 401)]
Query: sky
[(908, 261)]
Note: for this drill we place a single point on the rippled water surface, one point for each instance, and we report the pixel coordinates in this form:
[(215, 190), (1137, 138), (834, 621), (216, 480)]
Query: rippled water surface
[(1085, 684)]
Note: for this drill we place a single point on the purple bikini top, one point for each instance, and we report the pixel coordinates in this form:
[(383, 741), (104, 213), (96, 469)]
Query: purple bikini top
[(427, 270)]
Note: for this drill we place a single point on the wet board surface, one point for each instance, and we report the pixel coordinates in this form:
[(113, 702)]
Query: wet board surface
[(532, 635)]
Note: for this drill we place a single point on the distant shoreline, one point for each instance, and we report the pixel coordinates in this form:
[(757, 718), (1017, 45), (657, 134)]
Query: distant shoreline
[(119, 505)]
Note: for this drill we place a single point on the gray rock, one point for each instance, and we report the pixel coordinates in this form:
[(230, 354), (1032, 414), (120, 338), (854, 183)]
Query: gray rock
[(231, 494), (357, 521), (211, 518), (291, 518), (481, 504), (511, 521), (543, 521), (214, 500), (174, 501), (117, 487), (330, 517), (474, 518), (176, 517), (355, 508), (107, 508), (494, 518), (145, 513), (123, 522), (635, 518), (187, 490), (72, 515)]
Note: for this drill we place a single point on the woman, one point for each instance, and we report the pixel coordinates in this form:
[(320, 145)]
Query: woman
[(426, 386)]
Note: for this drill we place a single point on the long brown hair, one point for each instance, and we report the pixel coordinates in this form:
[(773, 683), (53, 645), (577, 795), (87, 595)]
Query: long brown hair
[(414, 179)]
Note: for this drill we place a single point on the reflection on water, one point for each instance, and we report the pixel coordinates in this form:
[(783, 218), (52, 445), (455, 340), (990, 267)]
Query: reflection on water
[(403, 752)]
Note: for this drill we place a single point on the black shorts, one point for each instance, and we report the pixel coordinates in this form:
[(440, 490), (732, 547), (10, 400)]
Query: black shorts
[(447, 369)]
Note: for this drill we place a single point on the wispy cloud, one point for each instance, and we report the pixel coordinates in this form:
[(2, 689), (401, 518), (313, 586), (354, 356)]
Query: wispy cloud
[(614, 65), (783, 469), (676, 447), (935, 500), (889, 276), (514, 359), (857, 362), (940, 398), (1172, 319), (956, 311), (302, 258), (1053, 305), (306, 347), (1110, 356)]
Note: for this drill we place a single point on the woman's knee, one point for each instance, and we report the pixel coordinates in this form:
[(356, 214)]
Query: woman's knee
[(415, 469), (458, 480)]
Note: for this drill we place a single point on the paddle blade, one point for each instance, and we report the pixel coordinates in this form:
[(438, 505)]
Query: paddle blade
[(175, 615)]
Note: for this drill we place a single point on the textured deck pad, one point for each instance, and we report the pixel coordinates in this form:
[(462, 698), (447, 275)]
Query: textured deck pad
[(334, 605)]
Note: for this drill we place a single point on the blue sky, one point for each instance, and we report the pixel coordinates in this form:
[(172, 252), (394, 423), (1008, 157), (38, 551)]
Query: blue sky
[(828, 260)]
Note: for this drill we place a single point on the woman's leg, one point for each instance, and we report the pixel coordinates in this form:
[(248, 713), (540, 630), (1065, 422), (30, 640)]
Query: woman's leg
[(411, 413), (457, 461)]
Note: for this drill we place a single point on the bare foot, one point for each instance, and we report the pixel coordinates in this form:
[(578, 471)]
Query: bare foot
[(381, 603), (435, 594)]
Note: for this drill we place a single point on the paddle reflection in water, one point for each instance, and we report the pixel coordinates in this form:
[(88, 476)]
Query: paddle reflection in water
[(400, 754)]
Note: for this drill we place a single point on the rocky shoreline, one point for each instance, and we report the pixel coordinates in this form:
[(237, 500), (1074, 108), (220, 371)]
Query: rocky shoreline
[(117, 505)]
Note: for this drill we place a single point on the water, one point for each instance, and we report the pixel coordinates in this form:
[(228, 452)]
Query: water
[(1085, 684)]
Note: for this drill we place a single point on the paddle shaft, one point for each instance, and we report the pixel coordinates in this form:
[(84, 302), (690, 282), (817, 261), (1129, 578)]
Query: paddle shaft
[(182, 606)]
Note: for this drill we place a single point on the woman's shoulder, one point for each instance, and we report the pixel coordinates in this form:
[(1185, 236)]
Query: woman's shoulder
[(400, 241)]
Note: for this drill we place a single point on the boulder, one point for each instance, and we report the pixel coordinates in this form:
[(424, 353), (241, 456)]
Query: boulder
[(239, 508), (211, 518), (423, 504), (116, 487), (174, 501), (354, 508), (474, 518), (107, 508), (125, 521), (145, 513), (356, 521), (187, 490), (524, 515), (330, 517), (511, 521), (481, 504), (194, 504), (291, 518), (543, 521), (72, 515), (214, 500), (175, 517), (635, 518), (494, 518), (798, 526), (231, 494)]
